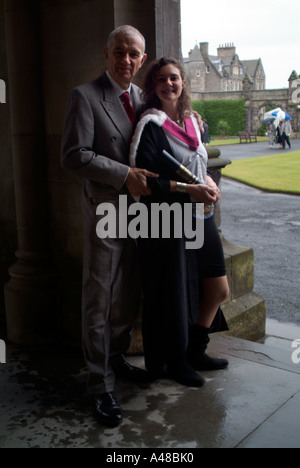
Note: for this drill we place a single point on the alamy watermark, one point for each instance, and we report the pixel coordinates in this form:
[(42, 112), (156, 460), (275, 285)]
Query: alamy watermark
[(296, 353), (163, 221), (2, 352), (2, 92), (296, 93)]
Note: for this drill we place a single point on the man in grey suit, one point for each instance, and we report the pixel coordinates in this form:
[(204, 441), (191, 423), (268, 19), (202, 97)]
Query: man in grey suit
[(95, 145)]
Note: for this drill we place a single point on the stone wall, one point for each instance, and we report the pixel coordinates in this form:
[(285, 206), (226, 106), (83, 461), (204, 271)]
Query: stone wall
[(8, 234)]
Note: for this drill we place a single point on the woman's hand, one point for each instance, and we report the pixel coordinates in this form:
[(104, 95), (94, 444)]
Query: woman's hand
[(208, 194), (211, 183), (204, 194)]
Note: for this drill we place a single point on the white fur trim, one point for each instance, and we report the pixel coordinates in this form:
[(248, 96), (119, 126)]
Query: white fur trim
[(151, 115)]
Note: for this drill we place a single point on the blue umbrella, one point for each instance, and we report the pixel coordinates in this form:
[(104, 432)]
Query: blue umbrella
[(280, 114), (268, 120)]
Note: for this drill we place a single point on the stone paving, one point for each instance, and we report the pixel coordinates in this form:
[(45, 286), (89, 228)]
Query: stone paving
[(254, 403)]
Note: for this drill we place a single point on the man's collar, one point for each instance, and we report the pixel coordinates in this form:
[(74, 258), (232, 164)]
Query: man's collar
[(117, 87)]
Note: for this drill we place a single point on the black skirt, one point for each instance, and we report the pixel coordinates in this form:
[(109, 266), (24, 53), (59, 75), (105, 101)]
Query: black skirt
[(211, 261)]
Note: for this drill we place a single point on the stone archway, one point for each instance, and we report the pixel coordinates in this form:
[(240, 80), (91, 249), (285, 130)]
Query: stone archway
[(265, 107), (256, 100)]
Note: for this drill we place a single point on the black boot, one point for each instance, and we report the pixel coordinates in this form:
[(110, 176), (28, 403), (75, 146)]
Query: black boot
[(198, 342), (182, 372)]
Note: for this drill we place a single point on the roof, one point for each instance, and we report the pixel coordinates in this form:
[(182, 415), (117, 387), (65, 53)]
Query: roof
[(250, 66)]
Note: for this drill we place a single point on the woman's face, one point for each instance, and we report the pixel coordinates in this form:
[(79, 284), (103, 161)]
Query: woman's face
[(169, 84)]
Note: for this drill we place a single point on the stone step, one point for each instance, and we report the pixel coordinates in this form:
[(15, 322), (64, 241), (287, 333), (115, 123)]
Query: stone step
[(259, 353), (281, 335), (240, 269)]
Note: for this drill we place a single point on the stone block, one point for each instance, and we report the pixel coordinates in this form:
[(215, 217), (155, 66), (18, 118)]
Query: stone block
[(240, 268), (246, 317)]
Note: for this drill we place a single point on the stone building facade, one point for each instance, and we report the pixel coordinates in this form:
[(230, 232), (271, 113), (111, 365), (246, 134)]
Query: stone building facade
[(223, 72)]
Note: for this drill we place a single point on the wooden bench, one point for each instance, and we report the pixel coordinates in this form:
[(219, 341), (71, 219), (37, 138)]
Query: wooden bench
[(248, 136), (253, 137), (244, 136)]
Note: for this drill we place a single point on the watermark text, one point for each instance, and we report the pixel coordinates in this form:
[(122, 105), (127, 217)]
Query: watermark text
[(296, 353), (2, 352), (2, 92), (163, 222)]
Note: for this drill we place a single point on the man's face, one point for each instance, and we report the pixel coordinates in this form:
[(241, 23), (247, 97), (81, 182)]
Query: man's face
[(124, 57)]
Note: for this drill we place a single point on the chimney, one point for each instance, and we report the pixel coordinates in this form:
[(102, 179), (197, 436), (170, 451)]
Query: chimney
[(227, 50), (204, 49)]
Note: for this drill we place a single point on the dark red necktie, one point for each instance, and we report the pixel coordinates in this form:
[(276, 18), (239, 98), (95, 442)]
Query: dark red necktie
[(128, 107)]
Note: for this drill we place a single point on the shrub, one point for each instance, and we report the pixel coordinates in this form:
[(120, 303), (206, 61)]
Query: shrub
[(262, 130), (223, 128), (233, 112)]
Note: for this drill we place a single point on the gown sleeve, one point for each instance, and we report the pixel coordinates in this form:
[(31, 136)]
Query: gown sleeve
[(148, 157)]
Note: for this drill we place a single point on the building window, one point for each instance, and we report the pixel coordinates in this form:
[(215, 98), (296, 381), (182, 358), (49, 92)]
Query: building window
[(198, 73)]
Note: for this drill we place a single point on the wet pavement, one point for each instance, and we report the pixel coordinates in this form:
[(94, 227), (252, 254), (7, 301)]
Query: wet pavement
[(270, 225), (251, 150), (254, 403)]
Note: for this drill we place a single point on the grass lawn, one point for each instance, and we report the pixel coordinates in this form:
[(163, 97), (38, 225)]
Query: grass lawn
[(276, 173)]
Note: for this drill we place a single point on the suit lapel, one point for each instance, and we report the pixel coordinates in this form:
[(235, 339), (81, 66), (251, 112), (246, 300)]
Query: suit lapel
[(114, 108), (136, 98)]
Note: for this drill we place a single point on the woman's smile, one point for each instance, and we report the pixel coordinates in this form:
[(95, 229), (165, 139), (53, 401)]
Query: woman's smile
[(169, 84)]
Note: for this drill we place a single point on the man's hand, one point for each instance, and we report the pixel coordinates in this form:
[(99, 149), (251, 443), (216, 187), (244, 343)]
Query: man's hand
[(200, 121), (136, 181)]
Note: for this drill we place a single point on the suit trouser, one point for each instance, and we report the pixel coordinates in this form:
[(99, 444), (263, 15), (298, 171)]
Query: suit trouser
[(286, 138), (110, 299)]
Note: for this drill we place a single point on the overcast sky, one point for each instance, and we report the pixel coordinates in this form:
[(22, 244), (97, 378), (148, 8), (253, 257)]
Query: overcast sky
[(266, 29)]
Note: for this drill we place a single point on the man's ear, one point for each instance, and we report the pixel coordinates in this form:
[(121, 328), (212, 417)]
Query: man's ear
[(144, 60), (105, 52)]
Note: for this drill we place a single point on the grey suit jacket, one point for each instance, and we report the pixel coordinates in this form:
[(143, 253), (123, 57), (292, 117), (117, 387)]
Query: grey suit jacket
[(97, 135)]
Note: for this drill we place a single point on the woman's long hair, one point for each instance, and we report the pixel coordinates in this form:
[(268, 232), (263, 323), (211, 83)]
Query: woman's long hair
[(149, 95)]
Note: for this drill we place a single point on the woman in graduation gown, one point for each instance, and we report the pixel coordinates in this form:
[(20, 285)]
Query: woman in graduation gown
[(183, 288)]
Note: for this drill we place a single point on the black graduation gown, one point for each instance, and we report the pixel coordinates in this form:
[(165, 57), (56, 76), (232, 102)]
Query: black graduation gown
[(171, 283)]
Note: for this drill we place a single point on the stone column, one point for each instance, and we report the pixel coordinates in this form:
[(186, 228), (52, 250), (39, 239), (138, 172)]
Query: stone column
[(247, 95), (215, 166), (30, 295)]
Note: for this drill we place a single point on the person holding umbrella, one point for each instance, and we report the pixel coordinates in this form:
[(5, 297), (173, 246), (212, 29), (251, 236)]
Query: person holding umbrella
[(271, 130), (279, 135), (286, 133)]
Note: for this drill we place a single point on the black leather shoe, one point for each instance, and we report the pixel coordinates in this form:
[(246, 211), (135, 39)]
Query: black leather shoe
[(108, 410), (207, 363), (124, 370)]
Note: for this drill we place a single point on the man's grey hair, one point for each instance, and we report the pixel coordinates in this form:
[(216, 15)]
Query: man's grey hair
[(127, 30)]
